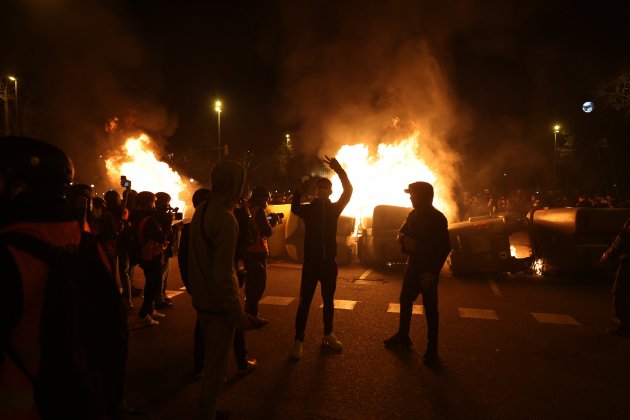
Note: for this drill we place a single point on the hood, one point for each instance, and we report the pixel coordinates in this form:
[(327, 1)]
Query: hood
[(227, 179)]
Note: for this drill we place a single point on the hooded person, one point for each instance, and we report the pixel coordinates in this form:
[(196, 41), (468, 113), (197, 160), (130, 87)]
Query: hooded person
[(212, 277)]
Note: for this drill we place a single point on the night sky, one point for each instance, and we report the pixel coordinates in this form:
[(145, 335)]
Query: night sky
[(483, 80)]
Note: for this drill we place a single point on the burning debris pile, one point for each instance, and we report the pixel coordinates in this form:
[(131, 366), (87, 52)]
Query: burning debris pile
[(381, 178), (138, 162)]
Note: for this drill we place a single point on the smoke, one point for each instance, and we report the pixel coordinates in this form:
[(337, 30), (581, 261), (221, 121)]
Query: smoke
[(89, 65), (368, 72)]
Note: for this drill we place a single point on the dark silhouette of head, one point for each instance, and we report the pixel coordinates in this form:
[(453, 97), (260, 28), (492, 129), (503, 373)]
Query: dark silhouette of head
[(420, 194), (31, 166)]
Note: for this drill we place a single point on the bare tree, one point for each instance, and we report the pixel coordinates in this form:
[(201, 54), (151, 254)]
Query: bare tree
[(615, 93)]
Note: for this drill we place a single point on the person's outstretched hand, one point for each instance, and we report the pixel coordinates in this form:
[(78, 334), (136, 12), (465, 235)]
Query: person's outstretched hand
[(333, 163)]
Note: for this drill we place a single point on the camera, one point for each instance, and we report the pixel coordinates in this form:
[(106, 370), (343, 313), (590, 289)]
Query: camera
[(124, 182), (275, 218), (177, 215)]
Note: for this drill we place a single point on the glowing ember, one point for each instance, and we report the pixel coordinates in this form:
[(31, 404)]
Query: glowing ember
[(139, 164), (382, 179)]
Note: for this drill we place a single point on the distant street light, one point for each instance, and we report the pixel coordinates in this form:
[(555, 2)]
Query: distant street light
[(217, 108), (15, 86), (288, 137), (556, 130)]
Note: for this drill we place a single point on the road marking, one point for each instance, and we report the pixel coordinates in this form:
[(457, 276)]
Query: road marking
[(495, 288), (365, 274), (561, 319), (172, 293), (395, 309), (183, 288), (478, 313), (286, 265), (368, 282), (343, 304), (276, 300)]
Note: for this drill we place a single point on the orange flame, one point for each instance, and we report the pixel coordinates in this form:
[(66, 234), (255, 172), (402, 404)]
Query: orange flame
[(140, 165), (382, 179)]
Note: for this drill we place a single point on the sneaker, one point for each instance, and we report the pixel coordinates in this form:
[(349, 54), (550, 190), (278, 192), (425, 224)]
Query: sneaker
[(258, 322), (250, 364), (150, 322), (398, 340), (332, 341), (296, 350), (163, 304), (156, 314)]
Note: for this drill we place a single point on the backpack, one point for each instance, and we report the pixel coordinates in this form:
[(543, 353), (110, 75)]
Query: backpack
[(83, 331), (141, 249), (245, 232)]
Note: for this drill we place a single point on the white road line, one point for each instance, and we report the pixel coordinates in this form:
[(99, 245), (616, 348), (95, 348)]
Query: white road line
[(561, 319), (395, 309), (495, 288), (478, 313), (365, 274), (276, 300), (343, 304)]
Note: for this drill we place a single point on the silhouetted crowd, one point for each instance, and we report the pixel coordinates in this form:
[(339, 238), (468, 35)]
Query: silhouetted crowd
[(488, 203)]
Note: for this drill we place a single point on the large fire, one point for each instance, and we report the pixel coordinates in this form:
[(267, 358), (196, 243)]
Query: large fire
[(382, 178), (145, 171)]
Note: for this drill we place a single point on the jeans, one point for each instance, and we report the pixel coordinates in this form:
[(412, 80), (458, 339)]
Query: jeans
[(417, 281), (255, 280), (324, 271)]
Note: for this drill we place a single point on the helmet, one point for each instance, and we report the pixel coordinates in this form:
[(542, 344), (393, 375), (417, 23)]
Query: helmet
[(259, 195), (162, 197), (43, 167), (98, 202), (112, 198), (145, 199)]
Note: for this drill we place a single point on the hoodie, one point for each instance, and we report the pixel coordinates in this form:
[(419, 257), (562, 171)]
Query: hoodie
[(212, 244)]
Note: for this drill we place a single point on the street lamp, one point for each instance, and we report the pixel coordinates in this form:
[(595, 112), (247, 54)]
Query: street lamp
[(288, 137), (217, 108), (556, 130), (15, 86)]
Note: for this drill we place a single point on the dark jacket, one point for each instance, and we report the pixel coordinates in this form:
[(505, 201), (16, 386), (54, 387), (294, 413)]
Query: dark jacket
[(320, 222), (429, 228)]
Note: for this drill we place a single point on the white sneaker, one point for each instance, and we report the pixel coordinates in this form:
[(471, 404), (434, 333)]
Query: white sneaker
[(332, 341), (156, 314), (150, 322), (296, 350)]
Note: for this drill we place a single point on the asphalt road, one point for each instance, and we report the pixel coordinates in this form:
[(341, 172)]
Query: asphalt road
[(511, 347)]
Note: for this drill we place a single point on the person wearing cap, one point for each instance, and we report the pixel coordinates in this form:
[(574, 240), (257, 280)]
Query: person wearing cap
[(424, 238)]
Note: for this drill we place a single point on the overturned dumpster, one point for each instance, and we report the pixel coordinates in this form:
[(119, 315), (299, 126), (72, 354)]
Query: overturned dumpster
[(572, 239), (483, 245), (377, 244)]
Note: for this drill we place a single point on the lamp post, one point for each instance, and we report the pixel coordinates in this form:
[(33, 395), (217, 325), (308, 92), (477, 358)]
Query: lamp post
[(217, 108), (15, 87), (556, 130)]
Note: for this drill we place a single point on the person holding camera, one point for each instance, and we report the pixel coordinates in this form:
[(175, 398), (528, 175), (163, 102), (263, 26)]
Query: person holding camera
[(255, 254), (320, 218), (165, 215), (150, 240)]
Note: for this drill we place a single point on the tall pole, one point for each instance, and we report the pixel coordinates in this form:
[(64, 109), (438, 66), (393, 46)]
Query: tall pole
[(556, 130), (217, 108), (15, 90)]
